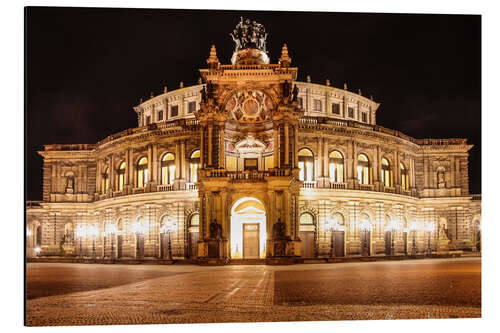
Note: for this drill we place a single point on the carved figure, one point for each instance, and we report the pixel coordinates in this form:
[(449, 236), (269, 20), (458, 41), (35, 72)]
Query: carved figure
[(279, 230), (440, 177), (295, 93), (249, 34), (215, 230), (70, 184)]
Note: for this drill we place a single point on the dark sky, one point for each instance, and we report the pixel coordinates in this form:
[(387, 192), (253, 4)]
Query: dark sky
[(87, 67)]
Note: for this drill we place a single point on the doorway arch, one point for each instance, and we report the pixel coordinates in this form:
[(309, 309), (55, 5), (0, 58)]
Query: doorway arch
[(248, 229)]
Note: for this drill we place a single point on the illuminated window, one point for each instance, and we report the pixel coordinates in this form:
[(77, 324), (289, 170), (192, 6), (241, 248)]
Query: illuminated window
[(306, 218), (148, 120), (386, 173), (404, 177), (121, 176), (142, 172), (192, 106), (174, 111), (195, 220), (160, 115), (336, 108), (105, 181), (363, 169), (336, 167), (317, 105), (306, 165), (194, 165), (168, 169), (363, 117)]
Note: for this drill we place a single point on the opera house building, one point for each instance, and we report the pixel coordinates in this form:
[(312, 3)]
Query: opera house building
[(252, 164)]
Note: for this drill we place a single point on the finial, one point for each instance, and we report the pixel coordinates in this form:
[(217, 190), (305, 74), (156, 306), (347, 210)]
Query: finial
[(199, 81), (212, 60), (165, 90), (328, 82), (308, 79), (181, 84), (285, 59), (345, 86), (359, 92), (151, 95)]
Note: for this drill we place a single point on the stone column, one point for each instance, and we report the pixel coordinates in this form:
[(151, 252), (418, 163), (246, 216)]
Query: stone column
[(221, 146), (296, 145), (202, 149), (287, 145), (98, 176), (183, 160), (111, 173), (276, 146), (177, 160), (210, 130), (325, 158), (154, 171)]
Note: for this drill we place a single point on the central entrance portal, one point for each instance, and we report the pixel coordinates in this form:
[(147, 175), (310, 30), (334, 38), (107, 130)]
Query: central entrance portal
[(248, 229)]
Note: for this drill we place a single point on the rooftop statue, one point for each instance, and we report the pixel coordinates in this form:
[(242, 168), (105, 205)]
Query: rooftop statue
[(249, 35)]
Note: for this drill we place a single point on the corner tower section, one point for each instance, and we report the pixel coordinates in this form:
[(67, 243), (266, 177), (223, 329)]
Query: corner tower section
[(249, 118)]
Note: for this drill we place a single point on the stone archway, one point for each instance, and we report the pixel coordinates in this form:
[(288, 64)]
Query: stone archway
[(248, 229)]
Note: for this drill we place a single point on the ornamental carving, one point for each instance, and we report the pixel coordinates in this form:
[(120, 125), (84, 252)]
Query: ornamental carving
[(250, 106)]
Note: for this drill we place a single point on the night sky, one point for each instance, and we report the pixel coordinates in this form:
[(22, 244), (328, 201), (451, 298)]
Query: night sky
[(87, 67)]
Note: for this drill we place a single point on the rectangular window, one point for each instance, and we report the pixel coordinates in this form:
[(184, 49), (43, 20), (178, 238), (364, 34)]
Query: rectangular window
[(251, 164), (363, 117), (192, 106), (336, 108), (317, 105), (148, 120), (174, 111), (300, 101), (350, 112), (160, 115)]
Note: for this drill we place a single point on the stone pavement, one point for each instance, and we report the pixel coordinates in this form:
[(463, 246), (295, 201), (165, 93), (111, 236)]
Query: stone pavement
[(148, 294)]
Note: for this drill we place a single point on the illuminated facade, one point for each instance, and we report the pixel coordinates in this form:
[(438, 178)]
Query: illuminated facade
[(251, 163)]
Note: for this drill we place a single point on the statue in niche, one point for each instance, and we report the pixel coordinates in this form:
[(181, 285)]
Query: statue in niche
[(443, 230), (279, 230), (295, 93), (70, 184), (215, 230), (440, 178)]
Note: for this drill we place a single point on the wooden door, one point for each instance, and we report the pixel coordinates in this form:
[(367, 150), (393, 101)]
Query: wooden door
[(140, 247), (193, 245), (119, 246), (388, 245), (405, 241), (365, 242), (251, 241), (307, 244), (339, 243), (164, 245)]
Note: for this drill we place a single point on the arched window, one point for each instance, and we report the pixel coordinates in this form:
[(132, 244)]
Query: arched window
[(336, 167), (194, 221), (404, 177), (306, 219), (194, 164), (363, 169), (105, 181), (386, 173), (142, 172), (168, 169), (306, 165), (121, 176)]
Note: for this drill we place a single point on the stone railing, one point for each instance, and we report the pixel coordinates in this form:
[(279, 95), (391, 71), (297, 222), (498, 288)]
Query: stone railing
[(191, 186), (137, 190), (117, 194), (165, 188), (366, 187), (308, 184), (476, 197), (338, 186), (389, 189)]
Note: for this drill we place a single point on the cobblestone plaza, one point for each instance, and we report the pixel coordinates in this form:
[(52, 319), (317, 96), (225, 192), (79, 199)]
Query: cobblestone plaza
[(81, 294)]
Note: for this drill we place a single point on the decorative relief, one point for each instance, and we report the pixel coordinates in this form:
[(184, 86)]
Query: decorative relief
[(250, 106)]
